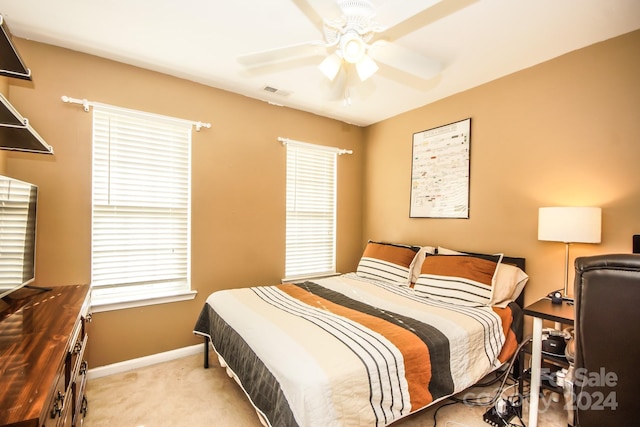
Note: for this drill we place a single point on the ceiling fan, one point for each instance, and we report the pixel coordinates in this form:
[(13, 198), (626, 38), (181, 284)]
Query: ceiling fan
[(353, 38)]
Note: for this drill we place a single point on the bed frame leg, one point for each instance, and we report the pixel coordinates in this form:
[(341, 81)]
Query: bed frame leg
[(518, 374), (206, 353)]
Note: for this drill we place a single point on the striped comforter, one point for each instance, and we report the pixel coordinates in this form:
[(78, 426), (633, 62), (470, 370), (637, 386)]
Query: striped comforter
[(350, 351)]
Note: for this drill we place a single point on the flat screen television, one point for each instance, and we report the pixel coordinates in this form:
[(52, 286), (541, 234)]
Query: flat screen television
[(18, 206)]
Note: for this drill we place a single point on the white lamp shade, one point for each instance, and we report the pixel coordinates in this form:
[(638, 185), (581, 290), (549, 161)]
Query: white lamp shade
[(366, 68), (570, 224), (330, 66)]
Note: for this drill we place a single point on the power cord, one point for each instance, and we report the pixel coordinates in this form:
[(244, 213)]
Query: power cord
[(435, 413), (501, 410), (500, 414), (504, 410), (504, 376)]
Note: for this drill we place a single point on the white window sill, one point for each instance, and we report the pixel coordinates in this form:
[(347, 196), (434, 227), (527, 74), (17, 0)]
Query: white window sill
[(119, 304), (309, 277)]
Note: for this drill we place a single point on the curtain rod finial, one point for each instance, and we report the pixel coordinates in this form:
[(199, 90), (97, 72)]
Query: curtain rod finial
[(84, 102), (200, 125)]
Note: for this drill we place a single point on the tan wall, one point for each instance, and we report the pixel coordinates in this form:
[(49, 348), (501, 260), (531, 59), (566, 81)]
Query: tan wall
[(561, 133), (565, 132), (238, 218)]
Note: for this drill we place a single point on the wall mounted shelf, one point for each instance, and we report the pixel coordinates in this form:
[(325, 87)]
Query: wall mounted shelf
[(15, 131), (11, 64), (17, 134)]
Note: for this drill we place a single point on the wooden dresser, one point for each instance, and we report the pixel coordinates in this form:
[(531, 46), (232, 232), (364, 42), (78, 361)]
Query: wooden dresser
[(43, 338)]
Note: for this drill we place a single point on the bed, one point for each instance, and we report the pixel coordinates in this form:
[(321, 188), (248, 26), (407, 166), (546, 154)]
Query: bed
[(410, 327)]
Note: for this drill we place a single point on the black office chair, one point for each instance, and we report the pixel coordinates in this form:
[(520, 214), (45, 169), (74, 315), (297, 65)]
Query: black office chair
[(606, 355)]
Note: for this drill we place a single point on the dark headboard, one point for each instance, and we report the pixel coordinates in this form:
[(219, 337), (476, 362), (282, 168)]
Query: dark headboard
[(520, 263), (518, 325)]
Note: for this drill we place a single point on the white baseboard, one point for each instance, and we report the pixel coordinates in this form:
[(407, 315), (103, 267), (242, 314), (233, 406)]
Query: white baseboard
[(141, 362)]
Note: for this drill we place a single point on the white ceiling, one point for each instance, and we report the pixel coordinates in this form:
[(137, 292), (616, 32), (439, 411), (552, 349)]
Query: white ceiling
[(476, 41)]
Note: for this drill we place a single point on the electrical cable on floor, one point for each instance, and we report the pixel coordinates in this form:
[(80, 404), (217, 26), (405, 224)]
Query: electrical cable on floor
[(435, 414), (474, 402), (516, 401), (498, 377), (510, 404)]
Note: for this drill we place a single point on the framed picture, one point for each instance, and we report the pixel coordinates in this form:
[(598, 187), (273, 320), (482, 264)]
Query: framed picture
[(441, 159)]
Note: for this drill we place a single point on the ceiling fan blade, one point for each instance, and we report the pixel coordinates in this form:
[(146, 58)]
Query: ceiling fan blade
[(317, 11), (425, 12), (284, 53), (393, 12), (403, 59)]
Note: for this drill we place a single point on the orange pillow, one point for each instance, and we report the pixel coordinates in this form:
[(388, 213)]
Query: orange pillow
[(458, 279), (388, 262)]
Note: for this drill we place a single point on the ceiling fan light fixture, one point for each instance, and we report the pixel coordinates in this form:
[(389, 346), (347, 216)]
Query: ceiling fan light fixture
[(353, 47), (330, 66), (366, 68)]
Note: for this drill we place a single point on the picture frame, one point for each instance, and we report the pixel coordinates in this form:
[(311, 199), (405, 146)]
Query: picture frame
[(440, 171)]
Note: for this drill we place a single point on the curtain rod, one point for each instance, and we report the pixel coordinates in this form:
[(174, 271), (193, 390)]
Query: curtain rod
[(86, 104), (339, 151)]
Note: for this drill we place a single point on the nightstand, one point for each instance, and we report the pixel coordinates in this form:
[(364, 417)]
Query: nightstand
[(541, 310)]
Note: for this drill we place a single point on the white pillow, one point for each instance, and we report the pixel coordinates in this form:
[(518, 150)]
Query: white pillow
[(509, 283), (416, 265)]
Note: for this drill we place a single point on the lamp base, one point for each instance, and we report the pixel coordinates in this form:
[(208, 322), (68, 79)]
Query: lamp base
[(556, 297)]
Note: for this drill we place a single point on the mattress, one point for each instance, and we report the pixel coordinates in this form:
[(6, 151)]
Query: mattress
[(347, 350)]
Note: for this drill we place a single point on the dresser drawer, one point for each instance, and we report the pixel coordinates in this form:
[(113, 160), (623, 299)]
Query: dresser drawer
[(59, 412), (76, 357), (80, 402), (76, 347), (77, 367)]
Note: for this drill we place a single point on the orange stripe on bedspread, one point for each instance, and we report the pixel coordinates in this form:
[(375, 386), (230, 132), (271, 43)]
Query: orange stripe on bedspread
[(417, 362), (510, 343)]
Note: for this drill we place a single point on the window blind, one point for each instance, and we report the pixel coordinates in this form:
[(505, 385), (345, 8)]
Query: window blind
[(311, 210), (141, 205)]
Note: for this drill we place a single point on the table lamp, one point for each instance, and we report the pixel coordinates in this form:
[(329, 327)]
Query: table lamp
[(569, 225)]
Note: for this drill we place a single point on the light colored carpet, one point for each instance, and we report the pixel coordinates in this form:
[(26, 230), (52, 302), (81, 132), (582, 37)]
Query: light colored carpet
[(181, 393)]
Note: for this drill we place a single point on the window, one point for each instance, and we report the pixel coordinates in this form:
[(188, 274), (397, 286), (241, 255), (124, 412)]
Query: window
[(141, 207), (311, 210)]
